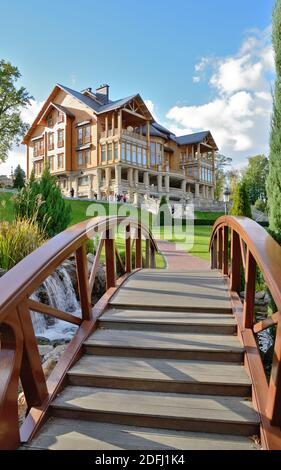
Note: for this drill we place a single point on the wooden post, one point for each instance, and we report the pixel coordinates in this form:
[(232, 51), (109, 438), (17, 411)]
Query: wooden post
[(31, 373), (214, 253), (220, 248), (109, 260), (147, 252), (83, 282), (152, 256), (250, 289), (148, 142), (235, 276), (128, 250), (138, 249), (225, 251), (273, 409)]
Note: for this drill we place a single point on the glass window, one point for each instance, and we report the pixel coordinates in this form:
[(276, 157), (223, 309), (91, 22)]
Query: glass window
[(51, 163), (60, 116), (87, 134), (123, 153), (60, 138), (103, 153), (152, 153), (115, 150), (109, 152), (80, 158), (83, 181), (50, 141), (196, 172), (87, 157), (80, 135), (128, 151), (158, 153), (60, 160), (134, 154), (144, 156), (139, 156)]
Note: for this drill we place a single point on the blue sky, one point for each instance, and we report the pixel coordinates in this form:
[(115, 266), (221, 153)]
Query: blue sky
[(154, 48)]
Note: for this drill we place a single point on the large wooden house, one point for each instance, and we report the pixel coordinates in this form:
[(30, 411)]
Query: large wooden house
[(98, 147)]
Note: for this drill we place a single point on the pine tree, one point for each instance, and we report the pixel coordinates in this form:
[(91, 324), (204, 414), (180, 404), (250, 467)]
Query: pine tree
[(19, 176), (241, 202), (274, 177), (43, 201)]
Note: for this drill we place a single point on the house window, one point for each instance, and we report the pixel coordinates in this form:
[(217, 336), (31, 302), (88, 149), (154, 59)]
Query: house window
[(51, 162), (123, 152), (109, 152), (87, 157), (51, 141), (158, 153), (60, 137), (60, 116), (83, 181), (38, 168), (80, 158), (144, 156), (50, 121), (87, 134), (134, 154), (128, 152), (38, 147), (153, 153), (103, 153), (115, 150), (139, 155), (80, 135), (60, 161)]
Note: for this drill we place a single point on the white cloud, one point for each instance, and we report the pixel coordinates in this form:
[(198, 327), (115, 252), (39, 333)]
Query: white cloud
[(239, 114), (17, 156)]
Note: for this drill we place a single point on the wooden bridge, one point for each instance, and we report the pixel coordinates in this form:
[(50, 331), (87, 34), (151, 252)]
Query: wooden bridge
[(167, 359)]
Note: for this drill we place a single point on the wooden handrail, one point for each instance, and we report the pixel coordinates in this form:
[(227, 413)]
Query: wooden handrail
[(252, 247), (19, 355)]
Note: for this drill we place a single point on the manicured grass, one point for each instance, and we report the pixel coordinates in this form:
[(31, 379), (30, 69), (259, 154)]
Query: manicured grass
[(6, 207), (208, 215)]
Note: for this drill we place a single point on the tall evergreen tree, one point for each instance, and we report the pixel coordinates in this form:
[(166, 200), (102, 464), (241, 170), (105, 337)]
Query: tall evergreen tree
[(43, 201), (19, 176), (274, 177), (241, 202)]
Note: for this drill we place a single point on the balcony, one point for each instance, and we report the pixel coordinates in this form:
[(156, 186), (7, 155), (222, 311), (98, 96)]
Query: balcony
[(124, 133)]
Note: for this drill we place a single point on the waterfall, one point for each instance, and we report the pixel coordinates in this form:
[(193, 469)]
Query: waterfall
[(59, 293)]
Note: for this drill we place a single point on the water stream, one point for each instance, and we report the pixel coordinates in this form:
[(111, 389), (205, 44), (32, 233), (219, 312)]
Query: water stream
[(58, 292)]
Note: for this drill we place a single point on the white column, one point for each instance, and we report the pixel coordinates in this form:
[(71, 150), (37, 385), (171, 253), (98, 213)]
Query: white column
[(183, 186), (167, 183), (130, 177), (212, 193), (197, 191), (146, 179), (117, 175), (136, 177), (98, 179), (159, 183)]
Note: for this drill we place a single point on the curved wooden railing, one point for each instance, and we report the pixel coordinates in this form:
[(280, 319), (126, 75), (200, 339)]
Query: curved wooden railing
[(19, 355), (250, 247)]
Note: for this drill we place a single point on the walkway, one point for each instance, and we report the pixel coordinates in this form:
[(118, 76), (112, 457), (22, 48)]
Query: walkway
[(180, 259)]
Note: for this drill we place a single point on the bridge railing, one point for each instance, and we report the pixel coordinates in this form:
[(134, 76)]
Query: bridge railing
[(19, 354), (237, 245)]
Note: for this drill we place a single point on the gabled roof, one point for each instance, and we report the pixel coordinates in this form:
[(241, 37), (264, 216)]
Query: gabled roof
[(196, 138), (58, 107)]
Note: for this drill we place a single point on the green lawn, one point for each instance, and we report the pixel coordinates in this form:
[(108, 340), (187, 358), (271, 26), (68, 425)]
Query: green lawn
[(199, 247), (208, 215)]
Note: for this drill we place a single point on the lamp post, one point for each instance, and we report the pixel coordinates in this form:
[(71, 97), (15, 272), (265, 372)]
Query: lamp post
[(226, 195)]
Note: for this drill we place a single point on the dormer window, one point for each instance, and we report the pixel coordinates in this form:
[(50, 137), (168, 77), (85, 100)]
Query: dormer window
[(60, 137), (60, 116), (50, 121)]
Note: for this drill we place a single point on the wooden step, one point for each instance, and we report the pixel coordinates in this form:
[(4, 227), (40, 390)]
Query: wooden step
[(197, 413), (69, 434), (162, 344), (162, 375), (195, 291), (168, 320)]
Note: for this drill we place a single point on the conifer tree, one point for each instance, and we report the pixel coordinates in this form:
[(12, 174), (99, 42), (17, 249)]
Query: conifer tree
[(241, 202), (19, 176), (274, 177)]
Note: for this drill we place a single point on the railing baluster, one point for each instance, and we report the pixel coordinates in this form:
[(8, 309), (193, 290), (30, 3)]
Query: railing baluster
[(31, 374), (138, 249), (152, 256), (128, 251), (273, 409), (250, 289), (109, 259), (214, 253), (225, 251), (147, 252), (220, 248), (83, 282), (235, 276)]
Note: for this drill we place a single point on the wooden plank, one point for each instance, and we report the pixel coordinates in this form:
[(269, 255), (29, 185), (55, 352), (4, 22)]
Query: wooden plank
[(61, 434), (53, 312), (83, 282), (183, 412), (193, 290)]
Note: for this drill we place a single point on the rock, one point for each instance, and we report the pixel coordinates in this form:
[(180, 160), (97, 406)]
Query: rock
[(70, 266), (260, 295), (99, 286), (44, 349), (56, 352), (43, 340)]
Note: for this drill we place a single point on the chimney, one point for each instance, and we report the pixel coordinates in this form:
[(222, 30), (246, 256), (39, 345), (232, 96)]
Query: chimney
[(87, 90), (102, 93)]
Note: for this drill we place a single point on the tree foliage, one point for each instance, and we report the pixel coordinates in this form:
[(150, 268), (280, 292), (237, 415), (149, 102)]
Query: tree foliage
[(241, 201), (255, 178), (273, 184), (19, 176), (221, 161), (42, 200), (12, 101)]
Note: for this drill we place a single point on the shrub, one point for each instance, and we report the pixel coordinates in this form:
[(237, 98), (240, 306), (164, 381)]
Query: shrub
[(42, 200), (261, 205), (241, 202), (17, 240)]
